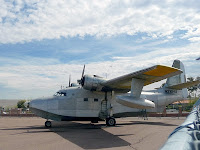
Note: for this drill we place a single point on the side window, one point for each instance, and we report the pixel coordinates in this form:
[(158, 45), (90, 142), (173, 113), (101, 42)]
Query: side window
[(95, 99), (60, 94), (85, 99), (65, 94)]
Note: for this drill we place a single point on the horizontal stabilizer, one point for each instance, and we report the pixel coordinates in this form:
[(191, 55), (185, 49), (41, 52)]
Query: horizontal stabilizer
[(184, 85)]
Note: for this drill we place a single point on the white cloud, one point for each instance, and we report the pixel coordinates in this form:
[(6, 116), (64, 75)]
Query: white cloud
[(194, 39), (23, 20), (24, 60), (35, 80), (75, 51)]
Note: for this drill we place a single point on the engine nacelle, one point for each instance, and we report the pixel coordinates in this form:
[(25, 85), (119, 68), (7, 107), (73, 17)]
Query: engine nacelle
[(133, 102), (92, 82)]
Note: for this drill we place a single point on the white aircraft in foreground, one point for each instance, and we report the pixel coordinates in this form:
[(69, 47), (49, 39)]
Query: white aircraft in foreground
[(96, 99)]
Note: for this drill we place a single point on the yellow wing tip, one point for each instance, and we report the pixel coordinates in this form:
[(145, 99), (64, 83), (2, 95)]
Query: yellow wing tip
[(161, 70)]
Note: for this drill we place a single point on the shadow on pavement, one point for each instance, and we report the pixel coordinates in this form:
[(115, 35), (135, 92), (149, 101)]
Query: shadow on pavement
[(88, 136), (84, 135)]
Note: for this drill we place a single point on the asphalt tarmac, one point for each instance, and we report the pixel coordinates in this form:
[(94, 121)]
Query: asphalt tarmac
[(29, 133)]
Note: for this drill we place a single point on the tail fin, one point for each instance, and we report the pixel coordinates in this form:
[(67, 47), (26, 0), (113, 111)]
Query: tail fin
[(178, 79), (178, 82)]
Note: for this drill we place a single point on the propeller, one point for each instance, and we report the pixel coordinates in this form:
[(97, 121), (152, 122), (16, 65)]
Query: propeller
[(83, 72), (82, 77)]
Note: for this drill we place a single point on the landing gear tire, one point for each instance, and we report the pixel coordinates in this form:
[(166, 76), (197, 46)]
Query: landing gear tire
[(110, 121), (48, 124)]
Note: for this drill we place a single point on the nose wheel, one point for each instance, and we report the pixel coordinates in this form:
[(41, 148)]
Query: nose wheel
[(48, 124), (110, 121)]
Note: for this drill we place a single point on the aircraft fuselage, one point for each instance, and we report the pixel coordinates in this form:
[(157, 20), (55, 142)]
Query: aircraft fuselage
[(79, 104)]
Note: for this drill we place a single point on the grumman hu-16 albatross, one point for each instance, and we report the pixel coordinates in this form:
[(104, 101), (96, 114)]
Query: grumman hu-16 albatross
[(96, 99)]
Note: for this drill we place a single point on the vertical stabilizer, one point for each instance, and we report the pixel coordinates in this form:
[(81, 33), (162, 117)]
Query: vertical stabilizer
[(178, 78)]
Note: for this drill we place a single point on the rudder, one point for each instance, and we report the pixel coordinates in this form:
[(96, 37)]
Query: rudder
[(178, 78)]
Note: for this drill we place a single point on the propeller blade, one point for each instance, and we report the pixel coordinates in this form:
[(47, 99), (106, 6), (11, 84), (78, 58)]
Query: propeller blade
[(82, 77), (83, 72)]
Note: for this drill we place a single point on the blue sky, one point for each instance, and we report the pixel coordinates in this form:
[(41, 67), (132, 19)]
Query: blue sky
[(43, 42)]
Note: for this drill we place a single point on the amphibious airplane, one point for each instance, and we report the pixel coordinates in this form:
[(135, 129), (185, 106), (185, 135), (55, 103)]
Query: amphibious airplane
[(96, 99)]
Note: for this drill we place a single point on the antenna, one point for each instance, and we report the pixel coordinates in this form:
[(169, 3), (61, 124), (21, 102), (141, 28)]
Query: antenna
[(70, 80)]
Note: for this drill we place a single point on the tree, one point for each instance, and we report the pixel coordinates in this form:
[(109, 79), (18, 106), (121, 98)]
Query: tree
[(20, 104), (193, 89), (198, 86)]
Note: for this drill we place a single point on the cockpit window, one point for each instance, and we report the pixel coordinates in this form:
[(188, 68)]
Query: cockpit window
[(60, 94)]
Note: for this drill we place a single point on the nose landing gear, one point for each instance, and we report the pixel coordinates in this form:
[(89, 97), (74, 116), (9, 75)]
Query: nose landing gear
[(48, 124)]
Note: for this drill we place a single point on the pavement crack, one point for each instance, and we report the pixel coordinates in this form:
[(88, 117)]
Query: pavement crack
[(132, 147), (141, 139)]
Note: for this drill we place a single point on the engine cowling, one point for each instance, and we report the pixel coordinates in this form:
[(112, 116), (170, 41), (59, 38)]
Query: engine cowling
[(92, 82)]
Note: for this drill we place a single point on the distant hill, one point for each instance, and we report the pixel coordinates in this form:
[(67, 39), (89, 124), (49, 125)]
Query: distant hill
[(7, 102)]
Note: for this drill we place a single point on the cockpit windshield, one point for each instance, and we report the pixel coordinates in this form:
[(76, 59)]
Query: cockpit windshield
[(60, 94)]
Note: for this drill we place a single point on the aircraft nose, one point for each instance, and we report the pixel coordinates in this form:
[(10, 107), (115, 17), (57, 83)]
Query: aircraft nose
[(38, 104), (33, 104)]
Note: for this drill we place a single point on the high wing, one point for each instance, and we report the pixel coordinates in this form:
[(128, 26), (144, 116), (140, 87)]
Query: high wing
[(184, 85), (148, 75)]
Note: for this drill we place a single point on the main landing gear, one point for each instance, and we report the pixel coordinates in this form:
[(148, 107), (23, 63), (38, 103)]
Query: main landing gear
[(110, 121), (106, 113), (48, 124)]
